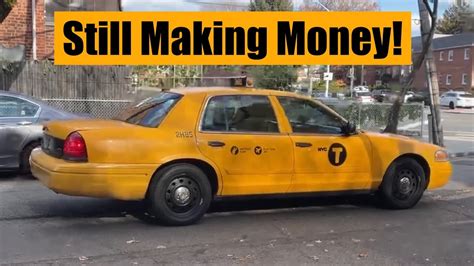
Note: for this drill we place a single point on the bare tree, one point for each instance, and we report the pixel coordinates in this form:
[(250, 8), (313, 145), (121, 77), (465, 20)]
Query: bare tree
[(428, 18), (340, 5)]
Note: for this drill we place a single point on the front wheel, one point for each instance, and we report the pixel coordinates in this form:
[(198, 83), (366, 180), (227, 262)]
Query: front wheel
[(451, 106), (403, 184), (179, 195)]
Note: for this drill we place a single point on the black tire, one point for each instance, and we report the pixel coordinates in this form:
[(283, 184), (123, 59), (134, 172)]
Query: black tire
[(451, 105), (169, 207), (25, 157), (403, 184)]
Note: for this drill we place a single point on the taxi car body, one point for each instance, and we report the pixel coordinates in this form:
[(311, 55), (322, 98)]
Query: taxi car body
[(182, 148)]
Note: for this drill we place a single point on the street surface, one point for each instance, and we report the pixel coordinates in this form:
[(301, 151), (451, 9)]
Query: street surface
[(458, 128), (38, 226)]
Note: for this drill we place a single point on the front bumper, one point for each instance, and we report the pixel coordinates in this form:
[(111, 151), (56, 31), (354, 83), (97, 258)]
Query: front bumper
[(117, 181), (440, 173)]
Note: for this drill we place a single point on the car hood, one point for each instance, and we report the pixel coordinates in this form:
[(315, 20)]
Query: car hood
[(61, 129)]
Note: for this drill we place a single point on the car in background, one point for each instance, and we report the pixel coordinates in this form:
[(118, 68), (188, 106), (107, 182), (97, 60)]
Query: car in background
[(380, 95), (455, 99), (420, 97), (21, 128), (361, 89), (363, 97)]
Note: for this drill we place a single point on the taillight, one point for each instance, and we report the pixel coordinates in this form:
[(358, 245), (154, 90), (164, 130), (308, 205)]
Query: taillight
[(74, 148)]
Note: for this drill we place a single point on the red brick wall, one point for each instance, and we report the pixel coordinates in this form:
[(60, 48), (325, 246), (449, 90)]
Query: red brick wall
[(16, 29), (455, 68)]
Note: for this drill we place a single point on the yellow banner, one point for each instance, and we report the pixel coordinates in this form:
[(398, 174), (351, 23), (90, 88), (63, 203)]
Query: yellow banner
[(232, 38)]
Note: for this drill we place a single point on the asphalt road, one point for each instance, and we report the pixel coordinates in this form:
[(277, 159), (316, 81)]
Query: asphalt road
[(458, 128), (38, 226)]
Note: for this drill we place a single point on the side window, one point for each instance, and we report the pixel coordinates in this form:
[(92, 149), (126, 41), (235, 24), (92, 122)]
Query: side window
[(15, 107), (309, 117), (244, 113)]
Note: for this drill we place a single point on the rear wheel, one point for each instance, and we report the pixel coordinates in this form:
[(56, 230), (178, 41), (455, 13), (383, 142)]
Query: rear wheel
[(179, 195), (451, 105), (403, 184), (25, 157)]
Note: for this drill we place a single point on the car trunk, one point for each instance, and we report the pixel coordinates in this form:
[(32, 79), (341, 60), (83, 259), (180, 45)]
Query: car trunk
[(55, 133)]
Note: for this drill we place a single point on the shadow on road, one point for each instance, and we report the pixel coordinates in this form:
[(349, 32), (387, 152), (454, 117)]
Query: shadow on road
[(275, 204), (14, 176)]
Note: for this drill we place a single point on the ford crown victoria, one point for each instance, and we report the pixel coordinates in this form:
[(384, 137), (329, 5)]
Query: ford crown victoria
[(181, 149)]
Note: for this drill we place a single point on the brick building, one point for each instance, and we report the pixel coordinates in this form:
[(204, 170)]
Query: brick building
[(18, 40), (454, 61)]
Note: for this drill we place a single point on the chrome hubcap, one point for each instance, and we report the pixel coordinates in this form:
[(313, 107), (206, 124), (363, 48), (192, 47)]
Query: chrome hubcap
[(405, 185), (182, 195)]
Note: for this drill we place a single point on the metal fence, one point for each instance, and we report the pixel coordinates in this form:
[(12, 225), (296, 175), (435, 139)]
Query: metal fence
[(370, 117), (374, 116), (90, 107)]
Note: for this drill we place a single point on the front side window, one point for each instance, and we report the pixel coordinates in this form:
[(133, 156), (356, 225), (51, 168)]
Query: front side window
[(16, 107), (150, 111), (241, 113), (309, 117)]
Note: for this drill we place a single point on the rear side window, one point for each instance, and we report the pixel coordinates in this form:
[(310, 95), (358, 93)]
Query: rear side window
[(16, 107), (244, 113), (150, 111)]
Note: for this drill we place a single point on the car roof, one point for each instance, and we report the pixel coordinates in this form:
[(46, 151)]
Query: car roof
[(232, 90)]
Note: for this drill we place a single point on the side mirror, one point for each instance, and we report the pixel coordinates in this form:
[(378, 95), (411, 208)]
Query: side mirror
[(349, 129)]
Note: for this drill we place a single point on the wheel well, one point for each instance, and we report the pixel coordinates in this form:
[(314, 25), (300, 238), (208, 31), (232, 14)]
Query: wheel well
[(204, 166), (424, 164), (28, 144)]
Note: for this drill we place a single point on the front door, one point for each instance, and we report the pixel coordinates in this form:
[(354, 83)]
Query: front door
[(325, 159), (241, 135)]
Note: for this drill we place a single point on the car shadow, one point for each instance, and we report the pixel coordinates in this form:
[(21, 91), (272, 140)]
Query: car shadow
[(14, 176), (275, 204)]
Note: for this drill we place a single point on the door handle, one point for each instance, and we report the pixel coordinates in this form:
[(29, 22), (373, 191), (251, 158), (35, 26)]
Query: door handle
[(216, 144), (24, 123), (303, 144)]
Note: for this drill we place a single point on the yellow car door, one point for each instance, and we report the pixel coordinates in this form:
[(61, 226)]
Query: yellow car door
[(241, 135), (325, 158)]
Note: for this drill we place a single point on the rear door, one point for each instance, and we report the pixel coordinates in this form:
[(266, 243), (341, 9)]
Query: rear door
[(325, 159), (241, 135)]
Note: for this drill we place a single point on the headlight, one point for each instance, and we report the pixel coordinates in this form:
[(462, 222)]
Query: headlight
[(441, 156)]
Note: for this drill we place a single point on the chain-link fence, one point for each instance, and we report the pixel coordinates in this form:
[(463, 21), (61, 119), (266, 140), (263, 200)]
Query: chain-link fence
[(90, 107), (370, 117), (374, 116)]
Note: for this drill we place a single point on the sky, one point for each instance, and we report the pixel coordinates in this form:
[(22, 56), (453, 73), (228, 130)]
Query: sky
[(196, 5)]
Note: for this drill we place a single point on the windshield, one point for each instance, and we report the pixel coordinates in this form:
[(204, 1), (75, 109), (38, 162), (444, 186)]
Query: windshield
[(150, 111)]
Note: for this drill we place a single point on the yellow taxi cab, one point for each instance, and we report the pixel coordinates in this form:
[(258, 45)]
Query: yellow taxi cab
[(181, 149)]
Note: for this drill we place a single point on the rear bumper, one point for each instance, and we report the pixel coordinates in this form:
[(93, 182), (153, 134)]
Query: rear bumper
[(440, 174), (124, 182)]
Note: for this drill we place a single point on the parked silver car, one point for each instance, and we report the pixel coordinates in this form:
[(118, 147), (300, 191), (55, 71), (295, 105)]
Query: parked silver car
[(21, 119)]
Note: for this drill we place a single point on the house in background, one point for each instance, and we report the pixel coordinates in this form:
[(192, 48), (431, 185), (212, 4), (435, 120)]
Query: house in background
[(453, 56), (27, 33)]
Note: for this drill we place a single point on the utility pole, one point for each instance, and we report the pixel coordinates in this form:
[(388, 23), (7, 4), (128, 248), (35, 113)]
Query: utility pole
[(432, 77)]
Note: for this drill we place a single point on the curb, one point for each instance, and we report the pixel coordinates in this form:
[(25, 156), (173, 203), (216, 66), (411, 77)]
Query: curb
[(461, 154)]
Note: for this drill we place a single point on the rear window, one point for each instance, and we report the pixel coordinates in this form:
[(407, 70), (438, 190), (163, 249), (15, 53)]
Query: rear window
[(360, 94), (150, 111), (467, 95)]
